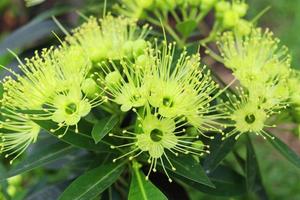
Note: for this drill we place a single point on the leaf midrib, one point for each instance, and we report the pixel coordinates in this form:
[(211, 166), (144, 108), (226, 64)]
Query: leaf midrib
[(141, 184)]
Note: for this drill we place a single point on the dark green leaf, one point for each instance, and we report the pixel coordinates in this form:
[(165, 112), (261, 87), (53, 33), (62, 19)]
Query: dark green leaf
[(227, 183), (103, 127), (186, 27), (186, 166), (41, 158), (253, 176), (77, 139), (219, 149), (141, 189), (93, 182), (282, 148)]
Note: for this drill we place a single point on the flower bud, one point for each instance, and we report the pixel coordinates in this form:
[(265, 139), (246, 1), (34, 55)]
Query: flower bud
[(113, 78), (240, 9), (89, 87), (230, 19), (207, 4), (138, 47), (145, 3), (221, 7), (127, 48), (243, 27), (194, 2)]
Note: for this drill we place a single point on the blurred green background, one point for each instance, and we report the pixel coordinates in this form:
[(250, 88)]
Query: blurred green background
[(281, 178)]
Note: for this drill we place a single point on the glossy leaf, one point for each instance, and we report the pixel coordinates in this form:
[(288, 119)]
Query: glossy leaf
[(141, 189), (94, 182), (282, 148), (41, 158), (219, 149), (77, 139), (103, 127), (186, 27), (187, 167), (227, 183)]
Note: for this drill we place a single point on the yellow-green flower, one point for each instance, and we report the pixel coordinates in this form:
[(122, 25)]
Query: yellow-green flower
[(247, 116), (158, 136), (183, 88), (17, 132), (256, 58), (109, 38)]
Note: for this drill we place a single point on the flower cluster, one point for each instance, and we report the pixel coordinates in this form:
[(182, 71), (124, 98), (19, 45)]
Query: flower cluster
[(167, 101), (263, 69), (57, 84), (168, 97)]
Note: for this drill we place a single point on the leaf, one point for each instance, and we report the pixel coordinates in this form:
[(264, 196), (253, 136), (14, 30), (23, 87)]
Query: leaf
[(186, 27), (141, 189), (188, 167), (41, 158), (282, 148), (227, 183), (219, 149), (253, 176), (3, 182), (77, 139), (103, 127), (94, 182)]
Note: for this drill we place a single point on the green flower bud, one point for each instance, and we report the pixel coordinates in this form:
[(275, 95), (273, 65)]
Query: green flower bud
[(192, 131), (166, 5), (230, 19), (194, 2), (221, 7), (138, 47), (97, 54), (240, 9), (113, 78), (207, 4), (145, 3), (243, 27), (127, 48), (90, 87), (198, 145)]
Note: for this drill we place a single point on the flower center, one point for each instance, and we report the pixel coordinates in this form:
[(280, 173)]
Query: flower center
[(156, 135), (136, 97), (71, 108), (250, 118), (167, 102)]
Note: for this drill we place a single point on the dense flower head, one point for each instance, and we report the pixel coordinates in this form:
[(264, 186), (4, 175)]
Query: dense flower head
[(109, 38), (260, 64), (158, 136), (52, 83), (183, 88), (263, 69), (174, 87), (255, 58)]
